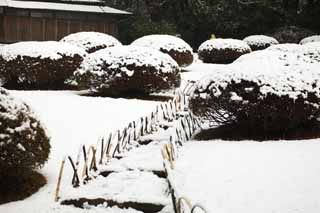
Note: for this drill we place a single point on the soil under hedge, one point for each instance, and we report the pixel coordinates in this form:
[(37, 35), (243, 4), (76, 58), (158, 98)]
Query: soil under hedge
[(14, 188)]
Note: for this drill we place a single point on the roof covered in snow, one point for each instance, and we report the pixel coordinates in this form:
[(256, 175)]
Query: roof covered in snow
[(38, 5)]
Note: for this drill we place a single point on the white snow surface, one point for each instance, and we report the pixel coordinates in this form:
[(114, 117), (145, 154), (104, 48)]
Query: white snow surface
[(42, 49), (280, 73), (88, 40), (260, 40), (315, 38), (227, 43), (289, 47), (121, 56), (248, 176), (143, 158), (134, 186), (164, 42), (72, 121)]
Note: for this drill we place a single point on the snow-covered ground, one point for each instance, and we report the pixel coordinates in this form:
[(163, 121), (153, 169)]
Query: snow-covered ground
[(71, 121), (248, 176)]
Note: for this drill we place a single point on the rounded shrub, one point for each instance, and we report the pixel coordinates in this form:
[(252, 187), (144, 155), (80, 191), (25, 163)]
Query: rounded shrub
[(38, 65), (222, 51), (24, 144), (265, 92), (177, 48), (91, 41), (127, 70), (260, 42), (310, 39)]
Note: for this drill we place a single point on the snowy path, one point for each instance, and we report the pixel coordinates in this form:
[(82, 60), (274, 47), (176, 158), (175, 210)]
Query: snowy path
[(72, 120), (247, 176)]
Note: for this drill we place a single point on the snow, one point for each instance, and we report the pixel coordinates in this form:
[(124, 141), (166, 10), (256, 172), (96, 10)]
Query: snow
[(163, 42), (130, 186), (289, 47), (248, 176), (88, 40), (221, 44), (60, 6), (143, 158), (315, 38), (280, 73), (73, 120), (44, 49), (260, 40)]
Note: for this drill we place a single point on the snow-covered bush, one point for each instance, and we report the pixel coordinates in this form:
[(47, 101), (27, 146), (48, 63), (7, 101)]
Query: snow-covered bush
[(315, 38), (127, 69), (260, 42), (24, 144), (177, 48), (38, 65), (265, 92), (222, 50), (91, 41), (288, 47)]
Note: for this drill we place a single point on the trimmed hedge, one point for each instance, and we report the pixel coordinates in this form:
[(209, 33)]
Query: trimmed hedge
[(222, 51), (260, 42), (38, 65), (24, 144), (177, 48), (126, 70), (266, 92), (91, 41)]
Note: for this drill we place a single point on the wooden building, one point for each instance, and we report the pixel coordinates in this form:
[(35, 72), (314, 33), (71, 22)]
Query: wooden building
[(40, 20)]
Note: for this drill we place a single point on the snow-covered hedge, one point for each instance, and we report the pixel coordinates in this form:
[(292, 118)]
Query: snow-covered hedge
[(91, 41), (24, 144), (260, 42), (222, 50), (265, 92), (315, 38), (38, 65), (127, 69), (177, 48)]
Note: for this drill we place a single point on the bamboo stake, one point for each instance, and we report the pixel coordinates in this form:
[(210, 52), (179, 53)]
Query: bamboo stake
[(56, 198)]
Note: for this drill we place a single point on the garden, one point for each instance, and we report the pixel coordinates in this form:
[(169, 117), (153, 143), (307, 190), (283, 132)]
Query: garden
[(88, 124)]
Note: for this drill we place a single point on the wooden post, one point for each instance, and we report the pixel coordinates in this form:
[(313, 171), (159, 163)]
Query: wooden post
[(56, 198)]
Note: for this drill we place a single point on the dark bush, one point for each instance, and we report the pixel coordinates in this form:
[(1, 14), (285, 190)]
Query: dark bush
[(267, 93), (260, 42), (91, 41), (24, 144), (222, 51), (38, 65), (127, 70), (291, 34), (178, 49)]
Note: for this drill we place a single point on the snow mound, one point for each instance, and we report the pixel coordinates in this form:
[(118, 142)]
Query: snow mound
[(259, 42), (91, 41), (312, 50), (289, 47), (39, 49), (128, 68), (23, 140), (177, 48), (315, 38), (222, 50)]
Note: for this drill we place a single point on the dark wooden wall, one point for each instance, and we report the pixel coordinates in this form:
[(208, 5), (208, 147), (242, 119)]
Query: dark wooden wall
[(23, 25)]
